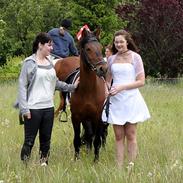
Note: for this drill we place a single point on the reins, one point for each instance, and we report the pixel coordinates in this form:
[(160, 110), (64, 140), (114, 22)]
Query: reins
[(107, 102)]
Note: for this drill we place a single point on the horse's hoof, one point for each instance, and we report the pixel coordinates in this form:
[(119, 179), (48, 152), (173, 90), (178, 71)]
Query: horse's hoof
[(88, 149), (96, 159), (103, 145), (76, 157)]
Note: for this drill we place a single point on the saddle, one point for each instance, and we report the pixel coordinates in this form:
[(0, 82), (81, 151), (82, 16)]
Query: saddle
[(71, 78)]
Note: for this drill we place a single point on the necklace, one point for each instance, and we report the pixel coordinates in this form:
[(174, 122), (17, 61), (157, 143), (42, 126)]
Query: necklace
[(123, 52), (122, 57)]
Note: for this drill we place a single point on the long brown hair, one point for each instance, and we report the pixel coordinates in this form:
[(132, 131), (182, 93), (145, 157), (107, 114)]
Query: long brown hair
[(131, 44)]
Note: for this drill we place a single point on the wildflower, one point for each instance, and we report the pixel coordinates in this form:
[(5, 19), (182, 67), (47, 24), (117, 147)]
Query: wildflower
[(174, 165), (130, 167), (150, 174), (131, 164)]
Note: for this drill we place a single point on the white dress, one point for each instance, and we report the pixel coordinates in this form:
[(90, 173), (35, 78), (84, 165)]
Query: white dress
[(129, 105)]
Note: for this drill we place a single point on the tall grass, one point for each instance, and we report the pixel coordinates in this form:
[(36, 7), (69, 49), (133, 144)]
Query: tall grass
[(160, 143)]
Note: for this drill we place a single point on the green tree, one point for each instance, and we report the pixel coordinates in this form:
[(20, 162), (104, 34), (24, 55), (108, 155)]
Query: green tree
[(158, 27), (97, 13), (21, 20)]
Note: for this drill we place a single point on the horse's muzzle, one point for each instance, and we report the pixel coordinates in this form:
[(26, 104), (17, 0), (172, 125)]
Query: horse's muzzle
[(102, 70)]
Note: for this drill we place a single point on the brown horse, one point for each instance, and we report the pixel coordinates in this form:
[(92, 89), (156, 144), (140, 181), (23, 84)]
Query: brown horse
[(88, 99)]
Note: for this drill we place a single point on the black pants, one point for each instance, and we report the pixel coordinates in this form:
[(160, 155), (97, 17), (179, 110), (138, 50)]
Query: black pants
[(42, 121)]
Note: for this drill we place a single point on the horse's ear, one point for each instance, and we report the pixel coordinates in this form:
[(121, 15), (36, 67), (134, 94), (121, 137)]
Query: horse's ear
[(84, 33), (97, 32)]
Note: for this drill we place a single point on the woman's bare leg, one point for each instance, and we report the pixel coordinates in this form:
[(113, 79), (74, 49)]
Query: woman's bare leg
[(120, 143), (131, 136)]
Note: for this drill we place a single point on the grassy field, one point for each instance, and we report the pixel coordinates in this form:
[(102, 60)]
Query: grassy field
[(160, 141)]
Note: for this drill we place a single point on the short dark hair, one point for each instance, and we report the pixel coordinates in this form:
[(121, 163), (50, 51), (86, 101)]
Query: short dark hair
[(42, 38), (66, 23)]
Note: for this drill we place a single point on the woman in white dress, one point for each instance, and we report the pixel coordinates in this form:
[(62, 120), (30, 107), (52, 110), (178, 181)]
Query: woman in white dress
[(127, 106)]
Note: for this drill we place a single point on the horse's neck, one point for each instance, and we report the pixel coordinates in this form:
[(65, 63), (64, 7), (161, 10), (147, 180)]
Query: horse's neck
[(88, 79)]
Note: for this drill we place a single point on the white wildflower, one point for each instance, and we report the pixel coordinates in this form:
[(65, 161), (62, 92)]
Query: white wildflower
[(130, 166), (150, 174), (174, 165)]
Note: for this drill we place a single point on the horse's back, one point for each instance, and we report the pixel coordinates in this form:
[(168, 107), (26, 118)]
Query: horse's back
[(64, 67)]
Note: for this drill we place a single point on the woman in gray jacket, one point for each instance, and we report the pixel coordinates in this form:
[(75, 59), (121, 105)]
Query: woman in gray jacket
[(37, 84)]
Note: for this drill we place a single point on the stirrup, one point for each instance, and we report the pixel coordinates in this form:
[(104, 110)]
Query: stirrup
[(60, 116)]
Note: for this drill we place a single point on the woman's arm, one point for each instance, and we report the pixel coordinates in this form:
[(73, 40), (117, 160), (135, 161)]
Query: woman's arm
[(63, 86), (140, 81), (22, 91), (108, 79)]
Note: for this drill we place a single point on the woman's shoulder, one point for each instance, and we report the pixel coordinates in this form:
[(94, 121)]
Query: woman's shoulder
[(29, 62), (30, 59), (136, 57), (135, 54)]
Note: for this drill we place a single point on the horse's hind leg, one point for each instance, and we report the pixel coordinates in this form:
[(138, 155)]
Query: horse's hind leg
[(97, 144), (61, 105), (77, 139)]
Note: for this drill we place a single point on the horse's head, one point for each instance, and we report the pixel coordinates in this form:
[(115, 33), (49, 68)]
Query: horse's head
[(91, 52)]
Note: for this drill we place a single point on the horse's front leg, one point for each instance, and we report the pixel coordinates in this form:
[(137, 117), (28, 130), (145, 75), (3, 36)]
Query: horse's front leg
[(97, 143), (77, 139), (88, 134)]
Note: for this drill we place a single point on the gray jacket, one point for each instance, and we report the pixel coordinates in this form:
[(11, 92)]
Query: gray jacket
[(26, 81)]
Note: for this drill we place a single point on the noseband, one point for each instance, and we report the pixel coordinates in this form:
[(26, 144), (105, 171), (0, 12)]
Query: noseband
[(92, 66)]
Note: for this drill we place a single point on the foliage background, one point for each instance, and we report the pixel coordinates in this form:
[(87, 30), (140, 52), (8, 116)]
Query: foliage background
[(157, 27), (21, 20), (160, 158)]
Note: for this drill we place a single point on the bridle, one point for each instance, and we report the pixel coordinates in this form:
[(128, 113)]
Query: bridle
[(92, 66)]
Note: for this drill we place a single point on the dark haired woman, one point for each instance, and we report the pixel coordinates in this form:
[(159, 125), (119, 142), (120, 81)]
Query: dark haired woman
[(37, 84), (127, 106)]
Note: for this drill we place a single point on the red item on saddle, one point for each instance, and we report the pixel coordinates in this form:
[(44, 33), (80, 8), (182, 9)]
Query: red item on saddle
[(81, 30)]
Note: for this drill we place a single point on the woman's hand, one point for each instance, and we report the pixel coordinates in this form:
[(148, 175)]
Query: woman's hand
[(27, 115), (116, 89)]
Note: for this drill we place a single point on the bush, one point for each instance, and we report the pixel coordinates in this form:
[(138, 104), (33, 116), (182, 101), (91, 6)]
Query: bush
[(157, 26), (11, 69)]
